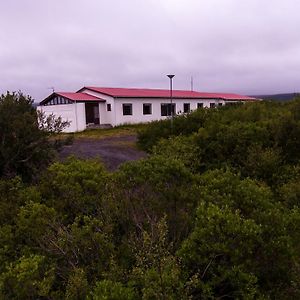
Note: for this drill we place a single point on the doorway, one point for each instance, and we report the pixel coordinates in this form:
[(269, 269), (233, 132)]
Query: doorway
[(92, 115)]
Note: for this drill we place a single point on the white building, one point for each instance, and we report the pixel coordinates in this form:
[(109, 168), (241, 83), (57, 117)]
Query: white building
[(116, 106)]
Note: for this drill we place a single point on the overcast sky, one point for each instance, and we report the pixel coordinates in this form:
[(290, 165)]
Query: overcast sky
[(242, 46)]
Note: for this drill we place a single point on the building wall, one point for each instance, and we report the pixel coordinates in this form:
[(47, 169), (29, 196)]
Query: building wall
[(68, 112), (115, 116), (106, 117), (137, 108)]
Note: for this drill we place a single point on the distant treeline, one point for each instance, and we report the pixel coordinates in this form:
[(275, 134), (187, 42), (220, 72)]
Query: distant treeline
[(212, 213), (278, 97)]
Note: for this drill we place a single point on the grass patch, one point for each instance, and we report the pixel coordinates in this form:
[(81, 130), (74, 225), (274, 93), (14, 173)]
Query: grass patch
[(117, 131)]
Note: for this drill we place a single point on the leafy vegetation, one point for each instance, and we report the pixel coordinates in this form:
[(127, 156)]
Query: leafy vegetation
[(257, 139), (25, 148), (212, 213)]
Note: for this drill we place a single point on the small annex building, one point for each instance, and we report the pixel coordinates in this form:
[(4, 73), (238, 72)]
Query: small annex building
[(95, 106)]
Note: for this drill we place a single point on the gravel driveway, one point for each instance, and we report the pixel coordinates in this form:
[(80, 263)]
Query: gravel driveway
[(113, 151)]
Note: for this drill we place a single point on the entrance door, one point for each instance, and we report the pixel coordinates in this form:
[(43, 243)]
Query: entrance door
[(92, 113)]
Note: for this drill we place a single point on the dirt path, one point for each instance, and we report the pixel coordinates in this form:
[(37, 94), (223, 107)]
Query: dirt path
[(113, 151)]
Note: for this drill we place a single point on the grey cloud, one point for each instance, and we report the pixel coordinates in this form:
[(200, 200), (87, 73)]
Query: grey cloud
[(247, 46)]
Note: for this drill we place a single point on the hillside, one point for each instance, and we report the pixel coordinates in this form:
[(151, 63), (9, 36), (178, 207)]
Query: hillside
[(278, 97)]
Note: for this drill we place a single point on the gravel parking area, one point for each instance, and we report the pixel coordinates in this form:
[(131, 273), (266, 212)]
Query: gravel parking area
[(113, 151)]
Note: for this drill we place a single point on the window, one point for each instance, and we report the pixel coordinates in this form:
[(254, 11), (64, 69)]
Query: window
[(147, 109), (108, 107), (199, 105), (186, 107), (127, 109), (212, 105), (232, 103), (166, 109), (220, 104)]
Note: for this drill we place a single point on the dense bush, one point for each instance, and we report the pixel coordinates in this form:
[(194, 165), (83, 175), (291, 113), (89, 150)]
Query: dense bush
[(25, 147), (158, 232), (257, 139), (212, 213)]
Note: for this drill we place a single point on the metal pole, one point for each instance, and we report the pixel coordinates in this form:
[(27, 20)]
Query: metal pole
[(76, 119), (171, 100)]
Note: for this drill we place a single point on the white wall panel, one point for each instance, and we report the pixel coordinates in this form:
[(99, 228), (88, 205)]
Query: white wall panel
[(74, 113)]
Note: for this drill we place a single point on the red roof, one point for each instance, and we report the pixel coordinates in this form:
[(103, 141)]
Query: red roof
[(73, 97), (146, 93), (78, 96), (159, 93)]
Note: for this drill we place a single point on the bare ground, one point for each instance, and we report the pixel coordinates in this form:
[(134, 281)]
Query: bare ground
[(112, 151)]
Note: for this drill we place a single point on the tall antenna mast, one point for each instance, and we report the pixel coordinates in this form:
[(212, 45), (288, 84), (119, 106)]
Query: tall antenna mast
[(192, 83)]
